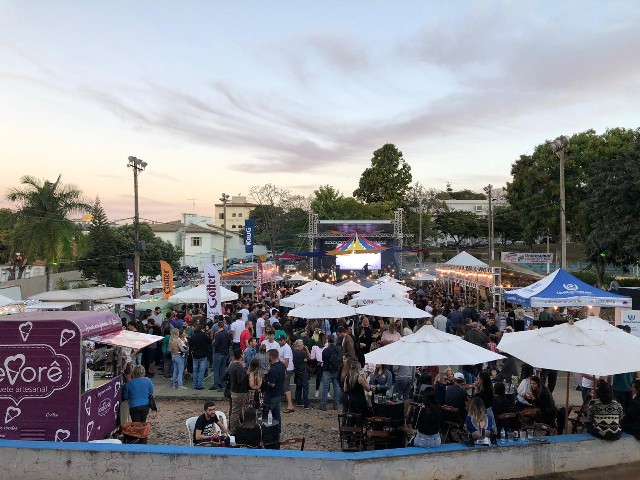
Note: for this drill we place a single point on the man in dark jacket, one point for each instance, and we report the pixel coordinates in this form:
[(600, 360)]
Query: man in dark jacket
[(221, 345), (199, 347)]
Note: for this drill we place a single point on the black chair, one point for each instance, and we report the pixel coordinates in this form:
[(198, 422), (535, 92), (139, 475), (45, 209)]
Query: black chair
[(452, 423), (411, 425), (378, 432), (352, 432)]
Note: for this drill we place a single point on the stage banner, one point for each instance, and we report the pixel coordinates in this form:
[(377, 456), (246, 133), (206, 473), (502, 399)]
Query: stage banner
[(166, 279), (212, 287), (248, 236), (631, 318), (129, 282), (259, 279), (520, 257)]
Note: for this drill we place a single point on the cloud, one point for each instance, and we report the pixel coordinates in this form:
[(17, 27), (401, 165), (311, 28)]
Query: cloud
[(25, 56)]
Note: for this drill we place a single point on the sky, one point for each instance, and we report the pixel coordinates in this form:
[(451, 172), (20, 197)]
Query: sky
[(219, 96)]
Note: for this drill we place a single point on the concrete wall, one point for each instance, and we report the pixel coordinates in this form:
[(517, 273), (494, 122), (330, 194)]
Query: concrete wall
[(48, 461)]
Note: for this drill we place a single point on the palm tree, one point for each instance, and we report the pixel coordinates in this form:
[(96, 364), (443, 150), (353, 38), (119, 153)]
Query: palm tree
[(42, 230)]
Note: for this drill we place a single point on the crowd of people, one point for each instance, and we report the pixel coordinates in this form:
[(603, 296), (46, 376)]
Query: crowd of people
[(254, 352)]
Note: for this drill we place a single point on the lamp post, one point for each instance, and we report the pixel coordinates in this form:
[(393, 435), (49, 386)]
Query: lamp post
[(558, 147), (224, 199), (488, 189), (138, 166)]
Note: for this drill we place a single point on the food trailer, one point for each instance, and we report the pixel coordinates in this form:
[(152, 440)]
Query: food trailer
[(45, 391)]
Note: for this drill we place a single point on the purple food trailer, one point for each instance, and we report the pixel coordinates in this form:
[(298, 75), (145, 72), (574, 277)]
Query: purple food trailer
[(42, 366)]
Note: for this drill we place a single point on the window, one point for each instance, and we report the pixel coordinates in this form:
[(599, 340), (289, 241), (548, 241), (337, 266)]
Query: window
[(196, 241), (240, 215), (479, 208), (233, 215), (233, 226), (221, 216)]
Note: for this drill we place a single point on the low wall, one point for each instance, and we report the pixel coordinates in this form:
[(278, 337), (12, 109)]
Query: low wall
[(47, 460)]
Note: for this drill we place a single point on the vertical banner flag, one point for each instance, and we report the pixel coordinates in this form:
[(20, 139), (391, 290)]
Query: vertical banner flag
[(259, 278), (129, 282), (212, 287), (248, 236), (166, 279)]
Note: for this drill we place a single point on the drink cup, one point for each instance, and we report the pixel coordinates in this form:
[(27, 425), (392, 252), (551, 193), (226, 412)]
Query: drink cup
[(529, 433)]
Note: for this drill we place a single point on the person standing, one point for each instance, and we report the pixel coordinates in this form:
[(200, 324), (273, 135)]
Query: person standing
[(137, 392), (236, 330), (274, 388), (286, 357), (178, 349), (221, 345), (239, 383), (331, 361), (348, 346), (301, 374), (199, 346), (261, 323), (440, 321), (246, 334)]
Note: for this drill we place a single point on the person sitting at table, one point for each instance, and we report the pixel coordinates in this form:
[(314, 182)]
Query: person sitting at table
[(501, 405), (204, 430), (456, 396), (484, 389), (354, 386), (249, 433), (543, 400), (478, 423), (429, 421), (380, 380), (523, 399), (443, 380), (631, 421), (605, 414)]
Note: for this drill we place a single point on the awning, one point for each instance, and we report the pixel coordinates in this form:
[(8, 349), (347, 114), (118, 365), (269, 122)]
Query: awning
[(126, 338), (49, 306)]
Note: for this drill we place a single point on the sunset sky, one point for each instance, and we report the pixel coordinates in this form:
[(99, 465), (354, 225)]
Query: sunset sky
[(218, 96)]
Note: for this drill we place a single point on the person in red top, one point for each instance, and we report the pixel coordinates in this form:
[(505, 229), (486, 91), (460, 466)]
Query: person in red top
[(246, 334)]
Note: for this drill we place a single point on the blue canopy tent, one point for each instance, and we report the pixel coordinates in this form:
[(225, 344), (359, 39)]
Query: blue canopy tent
[(561, 289)]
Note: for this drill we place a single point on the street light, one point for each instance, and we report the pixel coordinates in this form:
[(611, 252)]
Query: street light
[(488, 189), (224, 199), (558, 147), (138, 166)]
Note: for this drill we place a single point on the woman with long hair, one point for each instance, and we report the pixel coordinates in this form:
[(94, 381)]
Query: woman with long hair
[(429, 421), (249, 433), (543, 400), (605, 413), (178, 349), (478, 423), (254, 396), (484, 389), (355, 384)]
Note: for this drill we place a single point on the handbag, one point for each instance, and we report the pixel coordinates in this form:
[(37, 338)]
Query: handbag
[(152, 403), (136, 429)]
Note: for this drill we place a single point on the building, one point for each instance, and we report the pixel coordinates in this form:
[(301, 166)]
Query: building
[(238, 210), (201, 241)]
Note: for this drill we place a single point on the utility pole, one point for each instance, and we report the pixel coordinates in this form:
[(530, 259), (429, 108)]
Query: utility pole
[(420, 256), (138, 166), (224, 199), (488, 189), (558, 147)]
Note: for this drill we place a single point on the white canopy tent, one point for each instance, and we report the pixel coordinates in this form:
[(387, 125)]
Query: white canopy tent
[(396, 307), (465, 259), (351, 286), (297, 278), (323, 307), (199, 295), (383, 291), (80, 294), (304, 298)]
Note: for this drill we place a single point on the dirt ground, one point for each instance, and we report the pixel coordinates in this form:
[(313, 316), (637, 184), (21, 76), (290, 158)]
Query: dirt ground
[(320, 428)]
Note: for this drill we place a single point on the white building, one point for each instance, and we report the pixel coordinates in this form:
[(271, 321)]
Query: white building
[(201, 241), (238, 210)]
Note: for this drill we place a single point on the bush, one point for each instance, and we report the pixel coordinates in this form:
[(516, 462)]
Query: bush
[(590, 277)]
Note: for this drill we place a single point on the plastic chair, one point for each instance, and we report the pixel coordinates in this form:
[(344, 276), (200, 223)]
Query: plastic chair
[(191, 427), (223, 417), (291, 441)]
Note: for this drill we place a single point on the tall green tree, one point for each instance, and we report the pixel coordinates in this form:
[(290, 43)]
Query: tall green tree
[(273, 203), (103, 260), (421, 206), (506, 224), (331, 204), (386, 180), (460, 225), (43, 230)]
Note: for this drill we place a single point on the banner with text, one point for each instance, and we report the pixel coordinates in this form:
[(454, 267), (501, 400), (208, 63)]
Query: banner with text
[(259, 280), (248, 236), (212, 287), (519, 257), (129, 282), (631, 318), (166, 279)]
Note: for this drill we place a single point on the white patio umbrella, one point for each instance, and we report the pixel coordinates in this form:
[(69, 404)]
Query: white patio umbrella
[(430, 346), (316, 284), (596, 326), (199, 295), (397, 307), (570, 348), (299, 299), (323, 307), (388, 278), (327, 291), (351, 286), (298, 278), (375, 294)]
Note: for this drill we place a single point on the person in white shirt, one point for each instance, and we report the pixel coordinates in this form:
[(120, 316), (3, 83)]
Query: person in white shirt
[(269, 342), (157, 316), (286, 357), (260, 324), (316, 354), (440, 321), (244, 312), (273, 319), (236, 330)]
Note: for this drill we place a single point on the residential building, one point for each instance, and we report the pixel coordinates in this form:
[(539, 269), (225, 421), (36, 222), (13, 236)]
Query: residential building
[(238, 210)]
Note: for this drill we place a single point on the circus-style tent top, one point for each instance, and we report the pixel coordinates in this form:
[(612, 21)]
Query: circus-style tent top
[(564, 290), (357, 244)]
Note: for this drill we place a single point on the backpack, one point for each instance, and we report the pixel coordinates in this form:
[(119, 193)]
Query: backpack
[(333, 361)]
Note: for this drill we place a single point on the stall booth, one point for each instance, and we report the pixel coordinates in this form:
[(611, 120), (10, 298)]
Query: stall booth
[(46, 391)]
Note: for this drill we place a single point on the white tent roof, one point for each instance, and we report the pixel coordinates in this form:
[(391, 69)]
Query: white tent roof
[(396, 307), (6, 301), (306, 297), (464, 259), (48, 306), (199, 295), (424, 277), (323, 307), (317, 285), (351, 286), (298, 278), (79, 294)]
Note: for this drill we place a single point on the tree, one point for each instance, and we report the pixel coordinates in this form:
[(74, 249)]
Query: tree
[(459, 225), (387, 180), (449, 194), (269, 217), (103, 260), (42, 229), (425, 203), (326, 200), (506, 224)]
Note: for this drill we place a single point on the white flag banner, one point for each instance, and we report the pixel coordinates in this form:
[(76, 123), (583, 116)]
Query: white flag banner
[(212, 287)]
